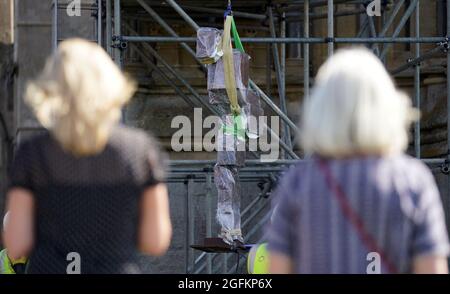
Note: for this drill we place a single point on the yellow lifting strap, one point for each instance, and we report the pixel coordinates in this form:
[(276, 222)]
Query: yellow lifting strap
[(228, 66)]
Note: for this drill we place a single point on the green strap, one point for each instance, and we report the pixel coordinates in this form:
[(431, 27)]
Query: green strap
[(237, 129), (237, 40)]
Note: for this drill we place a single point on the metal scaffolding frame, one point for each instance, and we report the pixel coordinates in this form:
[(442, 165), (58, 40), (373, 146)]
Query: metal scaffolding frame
[(190, 172)]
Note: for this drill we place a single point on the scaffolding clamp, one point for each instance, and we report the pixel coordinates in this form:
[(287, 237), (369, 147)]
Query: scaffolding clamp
[(188, 177), (444, 45), (329, 40), (445, 167), (413, 62), (118, 42)]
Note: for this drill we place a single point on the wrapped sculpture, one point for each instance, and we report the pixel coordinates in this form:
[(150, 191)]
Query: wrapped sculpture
[(214, 49)]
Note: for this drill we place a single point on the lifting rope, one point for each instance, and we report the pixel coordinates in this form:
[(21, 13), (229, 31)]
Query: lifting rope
[(228, 66), (239, 120), (228, 58)]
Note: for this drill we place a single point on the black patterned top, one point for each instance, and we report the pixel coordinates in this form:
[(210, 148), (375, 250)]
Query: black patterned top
[(87, 205)]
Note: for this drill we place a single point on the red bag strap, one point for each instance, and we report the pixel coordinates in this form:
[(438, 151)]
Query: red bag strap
[(353, 217)]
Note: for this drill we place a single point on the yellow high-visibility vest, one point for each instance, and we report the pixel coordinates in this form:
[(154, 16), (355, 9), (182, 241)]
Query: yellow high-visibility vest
[(6, 264), (258, 259)]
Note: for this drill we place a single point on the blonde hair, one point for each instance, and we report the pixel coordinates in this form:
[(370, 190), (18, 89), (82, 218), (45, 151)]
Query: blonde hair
[(355, 109), (79, 96)]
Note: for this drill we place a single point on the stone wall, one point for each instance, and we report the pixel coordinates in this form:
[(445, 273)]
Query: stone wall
[(7, 70), (6, 21), (33, 45)]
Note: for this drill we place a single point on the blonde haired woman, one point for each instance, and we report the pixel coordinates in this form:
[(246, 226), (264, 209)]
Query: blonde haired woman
[(87, 186), (360, 205)]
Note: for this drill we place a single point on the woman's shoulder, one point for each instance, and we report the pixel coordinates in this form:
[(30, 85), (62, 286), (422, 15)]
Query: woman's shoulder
[(409, 177), (414, 167), (140, 145), (398, 165), (134, 142)]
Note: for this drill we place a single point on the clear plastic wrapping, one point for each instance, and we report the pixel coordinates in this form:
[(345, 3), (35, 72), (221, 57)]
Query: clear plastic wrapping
[(228, 215), (230, 147), (216, 76), (252, 106), (236, 158), (253, 110), (218, 96), (208, 45)]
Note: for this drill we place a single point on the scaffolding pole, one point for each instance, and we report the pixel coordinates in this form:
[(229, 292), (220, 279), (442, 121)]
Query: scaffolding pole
[(167, 79), (55, 25), (209, 216), (330, 25), (391, 18), (108, 28), (163, 24), (288, 139), (99, 21), (441, 47), (306, 50), (117, 33), (373, 34), (280, 80), (409, 11), (314, 40), (219, 11), (417, 146), (447, 200), (363, 27)]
